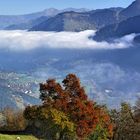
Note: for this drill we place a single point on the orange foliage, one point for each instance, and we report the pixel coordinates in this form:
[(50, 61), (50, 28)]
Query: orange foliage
[(72, 100)]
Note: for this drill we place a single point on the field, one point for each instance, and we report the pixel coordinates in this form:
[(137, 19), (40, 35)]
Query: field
[(13, 137)]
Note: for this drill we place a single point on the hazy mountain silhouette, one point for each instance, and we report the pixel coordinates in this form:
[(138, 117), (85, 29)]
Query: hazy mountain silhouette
[(18, 20), (73, 21)]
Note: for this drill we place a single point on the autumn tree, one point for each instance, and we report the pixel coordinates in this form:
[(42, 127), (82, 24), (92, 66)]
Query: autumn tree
[(72, 100), (125, 126), (137, 110), (14, 120), (49, 123)]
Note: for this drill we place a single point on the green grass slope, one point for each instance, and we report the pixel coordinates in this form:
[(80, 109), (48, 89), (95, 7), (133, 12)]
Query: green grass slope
[(13, 137)]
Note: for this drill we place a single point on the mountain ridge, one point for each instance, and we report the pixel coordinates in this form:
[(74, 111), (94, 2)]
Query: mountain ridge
[(128, 26), (131, 11), (74, 21), (8, 20)]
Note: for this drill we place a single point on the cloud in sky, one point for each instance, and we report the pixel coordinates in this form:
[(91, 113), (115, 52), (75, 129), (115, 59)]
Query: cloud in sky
[(23, 40)]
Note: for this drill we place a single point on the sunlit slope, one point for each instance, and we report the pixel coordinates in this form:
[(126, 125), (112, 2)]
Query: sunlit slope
[(13, 137)]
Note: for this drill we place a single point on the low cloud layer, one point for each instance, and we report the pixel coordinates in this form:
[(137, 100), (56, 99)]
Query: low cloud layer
[(23, 40), (105, 82), (109, 76)]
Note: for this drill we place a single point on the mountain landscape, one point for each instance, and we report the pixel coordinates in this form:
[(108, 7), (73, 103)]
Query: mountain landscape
[(26, 25), (128, 23), (73, 21), (110, 22), (25, 21), (128, 26), (106, 35), (131, 11), (70, 73)]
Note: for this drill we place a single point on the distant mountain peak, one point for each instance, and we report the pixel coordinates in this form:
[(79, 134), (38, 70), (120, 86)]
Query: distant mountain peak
[(77, 20), (135, 3), (53, 11), (28, 20), (131, 11), (50, 9), (66, 9), (77, 9)]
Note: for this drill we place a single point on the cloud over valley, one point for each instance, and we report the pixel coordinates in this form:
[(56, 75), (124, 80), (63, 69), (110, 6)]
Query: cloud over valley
[(23, 40)]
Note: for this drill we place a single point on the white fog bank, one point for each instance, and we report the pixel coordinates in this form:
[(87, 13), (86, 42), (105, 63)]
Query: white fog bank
[(22, 40)]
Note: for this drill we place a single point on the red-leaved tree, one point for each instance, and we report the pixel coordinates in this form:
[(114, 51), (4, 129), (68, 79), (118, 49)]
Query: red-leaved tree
[(72, 100)]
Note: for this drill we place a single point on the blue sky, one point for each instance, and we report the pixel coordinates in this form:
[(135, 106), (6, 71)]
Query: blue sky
[(28, 6)]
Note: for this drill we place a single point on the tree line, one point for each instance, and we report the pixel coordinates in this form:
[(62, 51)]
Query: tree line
[(66, 113)]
